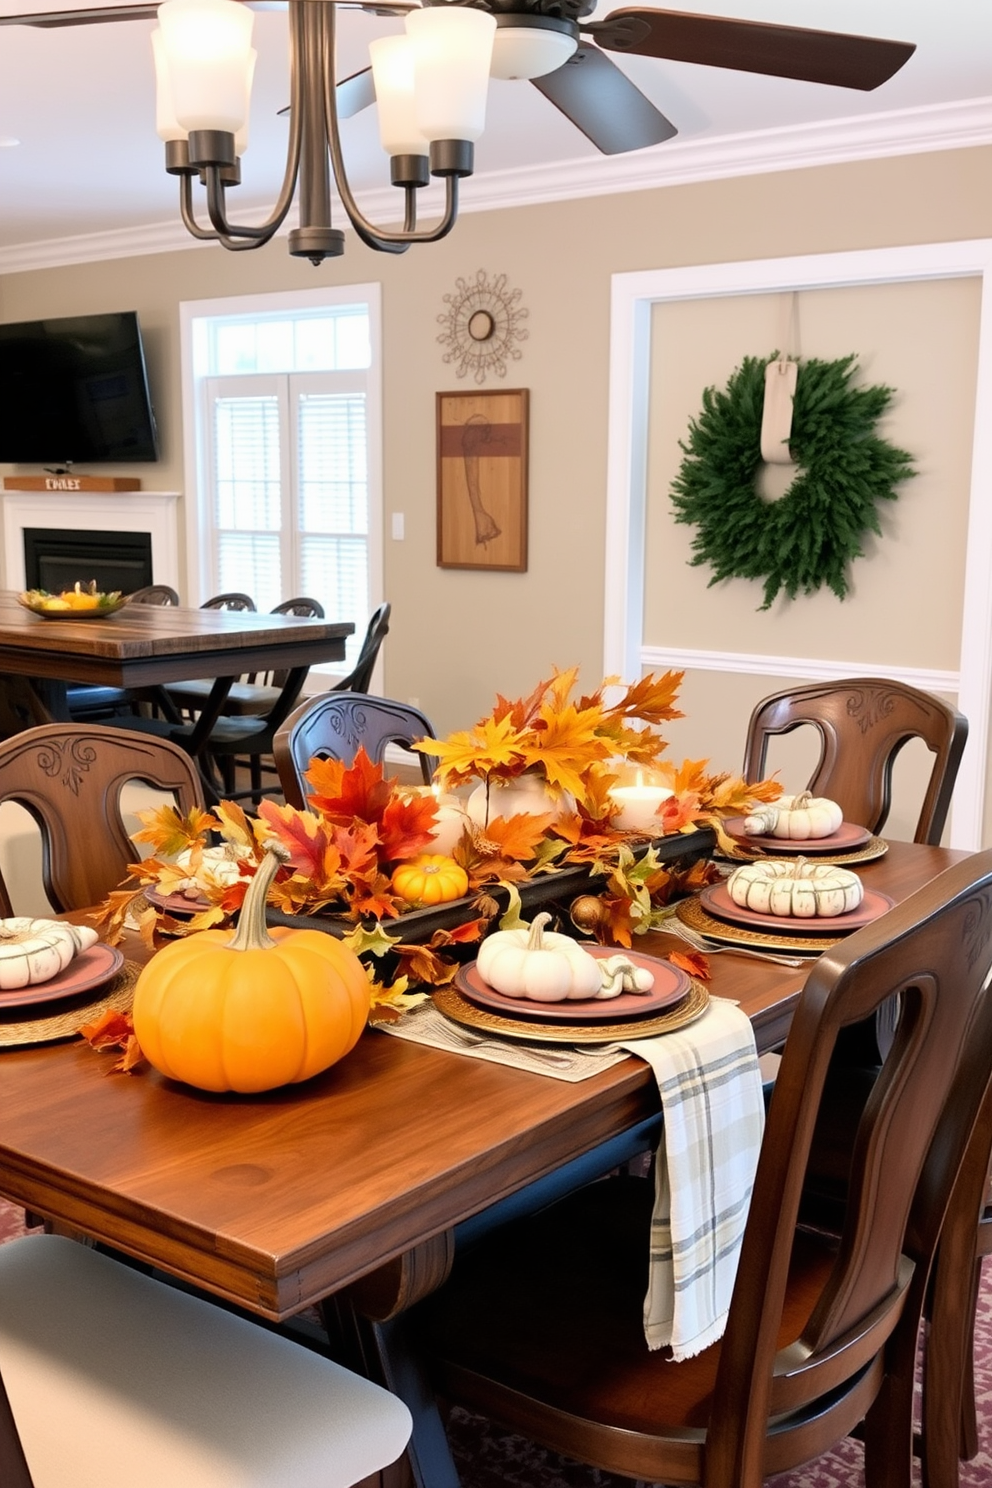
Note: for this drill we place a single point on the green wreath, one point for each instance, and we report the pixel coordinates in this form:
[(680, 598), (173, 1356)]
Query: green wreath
[(809, 536)]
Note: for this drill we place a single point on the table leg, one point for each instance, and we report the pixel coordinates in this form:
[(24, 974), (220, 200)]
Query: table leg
[(25, 704)]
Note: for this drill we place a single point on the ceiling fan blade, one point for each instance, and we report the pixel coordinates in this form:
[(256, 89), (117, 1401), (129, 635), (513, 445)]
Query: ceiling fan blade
[(50, 19), (355, 93), (603, 102), (754, 46)]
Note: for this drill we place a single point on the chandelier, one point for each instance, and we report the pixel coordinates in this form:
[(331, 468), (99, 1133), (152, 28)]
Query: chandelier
[(430, 85)]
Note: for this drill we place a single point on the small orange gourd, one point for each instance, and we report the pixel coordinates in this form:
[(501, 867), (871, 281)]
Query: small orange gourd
[(430, 879), (253, 1010)]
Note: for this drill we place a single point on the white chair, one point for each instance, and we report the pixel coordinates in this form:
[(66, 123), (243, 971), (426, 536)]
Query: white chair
[(114, 1378)]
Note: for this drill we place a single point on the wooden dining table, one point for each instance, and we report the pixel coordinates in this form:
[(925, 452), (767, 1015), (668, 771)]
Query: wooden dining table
[(362, 1175), (145, 646)]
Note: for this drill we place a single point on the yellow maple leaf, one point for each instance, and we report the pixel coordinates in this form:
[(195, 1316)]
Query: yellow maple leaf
[(493, 744), (169, 831)]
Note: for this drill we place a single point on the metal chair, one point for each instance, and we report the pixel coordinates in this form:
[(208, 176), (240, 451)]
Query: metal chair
[(539, 1326), (113, 1377), (69, 777), (335, 726), (863, 723)]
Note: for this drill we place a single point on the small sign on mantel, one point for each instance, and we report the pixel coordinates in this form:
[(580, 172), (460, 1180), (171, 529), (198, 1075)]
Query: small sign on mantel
[(71, 483)]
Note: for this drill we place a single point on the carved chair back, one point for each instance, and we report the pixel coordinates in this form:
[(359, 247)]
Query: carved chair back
[(863, 723), (539, 1326), (335, 726), (69, 777)]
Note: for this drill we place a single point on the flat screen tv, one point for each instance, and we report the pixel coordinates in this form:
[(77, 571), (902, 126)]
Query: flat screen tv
[(75, 390)]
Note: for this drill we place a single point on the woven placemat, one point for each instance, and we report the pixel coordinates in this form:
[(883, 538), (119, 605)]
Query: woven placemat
[(115, 996)]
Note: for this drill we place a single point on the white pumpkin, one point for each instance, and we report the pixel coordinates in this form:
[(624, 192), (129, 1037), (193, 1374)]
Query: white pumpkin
[(526, 795), (34, 951), (795, 888), (538, 964), (798, 818), (218, 869)]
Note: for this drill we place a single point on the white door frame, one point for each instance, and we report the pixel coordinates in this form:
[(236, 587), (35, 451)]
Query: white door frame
[(632, 299)]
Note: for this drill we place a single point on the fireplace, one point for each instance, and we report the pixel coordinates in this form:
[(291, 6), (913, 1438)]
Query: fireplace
[(56, 559), (150, 515)]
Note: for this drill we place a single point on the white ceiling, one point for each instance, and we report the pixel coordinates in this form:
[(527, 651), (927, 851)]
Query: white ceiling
[(81, 103)]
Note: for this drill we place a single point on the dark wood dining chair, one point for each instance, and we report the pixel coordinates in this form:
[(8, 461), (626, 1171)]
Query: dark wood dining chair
[(950, 1424), (539, 1326), (90, 703), (110, 1377), (863, 723), (69, 777), (335, 726), (256, 695), (232, 600)]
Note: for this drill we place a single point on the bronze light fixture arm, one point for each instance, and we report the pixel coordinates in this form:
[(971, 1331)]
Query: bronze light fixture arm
[(450, 158)]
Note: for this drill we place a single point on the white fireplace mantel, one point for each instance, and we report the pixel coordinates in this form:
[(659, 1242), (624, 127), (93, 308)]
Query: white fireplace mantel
[(154, 512)]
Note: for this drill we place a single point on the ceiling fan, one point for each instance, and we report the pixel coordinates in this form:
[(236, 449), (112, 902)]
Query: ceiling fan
[(565, 57)]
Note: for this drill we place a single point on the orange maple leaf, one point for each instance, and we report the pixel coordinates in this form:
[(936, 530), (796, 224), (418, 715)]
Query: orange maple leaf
[(696, 963), (406, 827), (361, 791), (115, 1030), (517, 837)]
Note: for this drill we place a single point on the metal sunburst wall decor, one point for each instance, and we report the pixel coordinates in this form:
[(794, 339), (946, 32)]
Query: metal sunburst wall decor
[(482, 326)]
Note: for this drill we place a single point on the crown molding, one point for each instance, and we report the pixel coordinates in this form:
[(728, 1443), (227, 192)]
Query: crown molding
[(946, 126)]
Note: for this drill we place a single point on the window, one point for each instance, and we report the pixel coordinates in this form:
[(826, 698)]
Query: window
[(282, 402)]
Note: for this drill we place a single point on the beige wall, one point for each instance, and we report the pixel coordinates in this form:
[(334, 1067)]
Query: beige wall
[(459, 636)]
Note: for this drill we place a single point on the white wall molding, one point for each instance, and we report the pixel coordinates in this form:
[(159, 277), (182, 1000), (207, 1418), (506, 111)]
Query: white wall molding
[(632, 298), (809, 668), (154, 512), (947, 126)]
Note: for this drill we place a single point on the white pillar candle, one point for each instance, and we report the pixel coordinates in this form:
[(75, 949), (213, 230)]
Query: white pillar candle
[(452, 819), (638, 807)]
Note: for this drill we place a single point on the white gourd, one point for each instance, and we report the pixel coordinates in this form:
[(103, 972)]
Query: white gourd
[(538, 964), (795, 888), (797, 818), (33, 951)]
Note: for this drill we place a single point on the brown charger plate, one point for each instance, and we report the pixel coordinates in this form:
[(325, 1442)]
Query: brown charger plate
[(847, 838), (670, 985), (453, 1005), (716, 900), (92, 968), (46, 1027)]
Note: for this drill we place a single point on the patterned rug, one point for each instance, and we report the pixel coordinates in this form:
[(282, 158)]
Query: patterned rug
[(489, 1458)]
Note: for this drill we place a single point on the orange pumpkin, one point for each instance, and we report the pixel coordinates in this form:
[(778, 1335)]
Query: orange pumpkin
[(430, 879), (254, 1010)]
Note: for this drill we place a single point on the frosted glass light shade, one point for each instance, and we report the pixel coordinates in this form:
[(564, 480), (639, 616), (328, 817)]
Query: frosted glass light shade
[(393, 73), (207, 44), (166, 123), (453, 49)]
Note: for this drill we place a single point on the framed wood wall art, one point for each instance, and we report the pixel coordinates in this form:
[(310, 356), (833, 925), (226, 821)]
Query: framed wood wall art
[(482, 480)]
